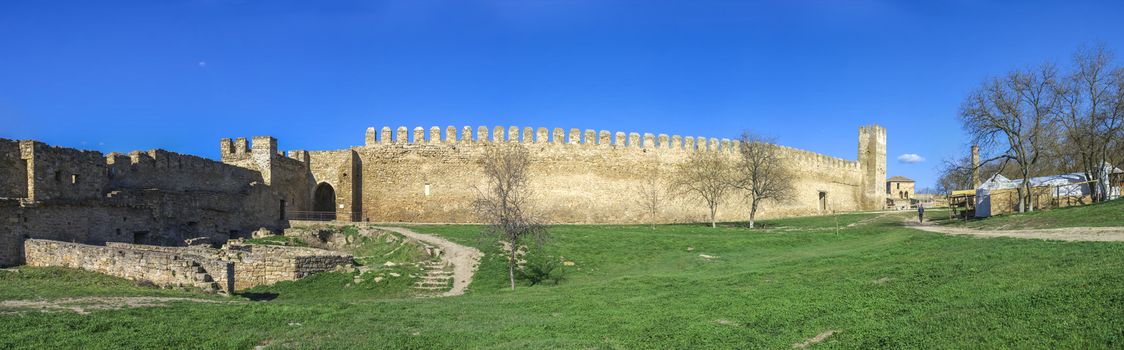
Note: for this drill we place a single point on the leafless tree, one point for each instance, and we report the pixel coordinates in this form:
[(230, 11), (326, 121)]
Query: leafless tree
[(504, 201), (704, 175), (650, 194), (1092, 113), (761, 173), (955, 175), (1013, 117)]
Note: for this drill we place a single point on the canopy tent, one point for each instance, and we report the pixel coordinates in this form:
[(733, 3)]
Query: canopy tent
[(1000, 195)]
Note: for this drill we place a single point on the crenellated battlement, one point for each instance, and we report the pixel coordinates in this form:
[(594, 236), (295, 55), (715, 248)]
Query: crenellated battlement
[(585, 175), (469, 135), (529, 135)]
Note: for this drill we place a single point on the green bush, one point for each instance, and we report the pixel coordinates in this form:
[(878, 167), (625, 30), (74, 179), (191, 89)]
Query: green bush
[(541, 268)]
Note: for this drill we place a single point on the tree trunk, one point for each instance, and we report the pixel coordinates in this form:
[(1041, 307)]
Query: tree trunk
[(713, 212), (511, 267), (752, 212)]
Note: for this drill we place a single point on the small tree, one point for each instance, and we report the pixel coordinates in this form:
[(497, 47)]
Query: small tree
[(650, 195), (761, 173), (1092, 113), (704, 175), (1014, 117), (504, 201)]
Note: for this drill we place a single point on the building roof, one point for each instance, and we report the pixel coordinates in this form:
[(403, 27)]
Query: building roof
[(999, 182), (899, 179)]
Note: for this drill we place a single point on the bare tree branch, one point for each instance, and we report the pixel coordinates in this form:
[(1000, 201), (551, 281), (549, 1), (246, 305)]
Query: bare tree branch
[(504, 202), (1014, 116), (761, 173), (650, 194), (705, 176)]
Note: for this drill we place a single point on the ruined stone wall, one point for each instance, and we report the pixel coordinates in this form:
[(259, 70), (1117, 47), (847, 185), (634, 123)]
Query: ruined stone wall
[(13, 170), (256, 265), (160, 169), (11, 247), (261, 264), (153, 197), (220, 270), (158, 267), (66, 222), (581, 177), (62, 174)]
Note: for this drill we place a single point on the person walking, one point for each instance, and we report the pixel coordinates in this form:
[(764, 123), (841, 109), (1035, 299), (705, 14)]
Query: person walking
[(920, 213)]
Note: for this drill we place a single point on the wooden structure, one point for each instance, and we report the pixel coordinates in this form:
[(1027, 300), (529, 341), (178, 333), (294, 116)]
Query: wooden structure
[(962, 204)]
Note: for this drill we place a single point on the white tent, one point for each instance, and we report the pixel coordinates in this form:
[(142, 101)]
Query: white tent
[(1064, 185)]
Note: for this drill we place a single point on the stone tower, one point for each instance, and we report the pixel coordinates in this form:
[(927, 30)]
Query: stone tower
[(975, 166), (872, 159)]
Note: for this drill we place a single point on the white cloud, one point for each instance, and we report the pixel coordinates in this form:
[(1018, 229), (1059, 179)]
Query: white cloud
[(911, 158)]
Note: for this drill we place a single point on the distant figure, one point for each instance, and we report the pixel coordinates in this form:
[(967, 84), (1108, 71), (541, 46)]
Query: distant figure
[(920, 213)]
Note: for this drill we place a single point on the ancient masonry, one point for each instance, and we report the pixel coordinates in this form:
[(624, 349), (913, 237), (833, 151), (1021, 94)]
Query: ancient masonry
[(427, 175), (235, 267)]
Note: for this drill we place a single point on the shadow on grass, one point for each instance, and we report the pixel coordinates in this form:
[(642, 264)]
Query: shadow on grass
[(258, 296)]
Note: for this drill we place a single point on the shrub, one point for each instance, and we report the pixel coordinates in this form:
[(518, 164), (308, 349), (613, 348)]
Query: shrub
[(541, 268)]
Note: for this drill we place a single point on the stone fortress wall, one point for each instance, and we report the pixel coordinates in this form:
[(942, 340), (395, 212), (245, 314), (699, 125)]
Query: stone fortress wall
[(427, 175), (430, 175), (154, 197)]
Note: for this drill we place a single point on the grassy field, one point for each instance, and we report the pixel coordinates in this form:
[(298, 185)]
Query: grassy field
[(875, 283), (1096, 215)]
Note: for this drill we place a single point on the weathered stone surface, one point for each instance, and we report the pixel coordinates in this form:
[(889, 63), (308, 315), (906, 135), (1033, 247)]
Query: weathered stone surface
[(160, 197), (165, 268), (434, 182)]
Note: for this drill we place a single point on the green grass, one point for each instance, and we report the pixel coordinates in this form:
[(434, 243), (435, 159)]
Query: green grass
[(54, 282), (341, 286), (374, 251), (878, 284), (1096, 215)]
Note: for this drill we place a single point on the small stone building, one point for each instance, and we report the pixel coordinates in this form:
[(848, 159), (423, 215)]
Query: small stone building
[(900, 187)]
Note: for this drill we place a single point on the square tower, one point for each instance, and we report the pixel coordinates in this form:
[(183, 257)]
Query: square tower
[(872, 160)]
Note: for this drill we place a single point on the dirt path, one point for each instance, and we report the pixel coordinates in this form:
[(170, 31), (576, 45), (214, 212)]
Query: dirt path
[(86, 304), (813, 340), (872, 219), (464, 259), (1093, 234)]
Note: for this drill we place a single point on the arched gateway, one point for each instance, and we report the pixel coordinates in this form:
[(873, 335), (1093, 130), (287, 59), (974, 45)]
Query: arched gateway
[(324, 202)]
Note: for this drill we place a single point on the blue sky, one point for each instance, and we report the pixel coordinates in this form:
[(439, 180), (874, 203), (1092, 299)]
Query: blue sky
[(180, 75)]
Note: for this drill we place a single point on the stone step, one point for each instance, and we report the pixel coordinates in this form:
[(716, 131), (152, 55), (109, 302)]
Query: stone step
[(431, 288), (431, 283), (436, 278), (207, 286)]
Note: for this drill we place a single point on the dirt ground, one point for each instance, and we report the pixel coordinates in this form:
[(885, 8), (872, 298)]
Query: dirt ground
[(87, 304), (813, 340), (1093, 234), (464, 259)]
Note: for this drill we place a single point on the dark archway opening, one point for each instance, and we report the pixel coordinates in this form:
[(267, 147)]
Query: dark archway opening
[(324, 202)]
